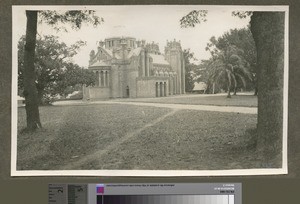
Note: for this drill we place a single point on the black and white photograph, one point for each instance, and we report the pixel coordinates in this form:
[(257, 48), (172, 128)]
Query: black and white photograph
[(152, 90)]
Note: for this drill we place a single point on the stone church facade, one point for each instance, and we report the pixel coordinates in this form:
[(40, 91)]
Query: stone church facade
[(127, 68)]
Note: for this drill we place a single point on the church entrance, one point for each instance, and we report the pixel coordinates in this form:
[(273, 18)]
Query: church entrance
[(161, 91), (127, 92)]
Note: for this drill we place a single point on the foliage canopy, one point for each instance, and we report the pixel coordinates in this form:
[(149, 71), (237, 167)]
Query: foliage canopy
[(54, 70)]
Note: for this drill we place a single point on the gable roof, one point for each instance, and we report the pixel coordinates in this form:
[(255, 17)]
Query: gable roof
[(107, 51), (99, 64), (134, 52), (159, 59)]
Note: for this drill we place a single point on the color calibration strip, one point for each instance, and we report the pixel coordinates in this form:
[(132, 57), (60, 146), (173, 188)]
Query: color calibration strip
[(165, 199), (145, 193)]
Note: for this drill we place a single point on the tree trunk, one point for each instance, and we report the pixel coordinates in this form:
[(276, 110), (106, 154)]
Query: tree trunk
[(255, 90), (268, 32), (228, 94), (228, 89), (234, 91), (40, 96), (30, 90), (255, 86)]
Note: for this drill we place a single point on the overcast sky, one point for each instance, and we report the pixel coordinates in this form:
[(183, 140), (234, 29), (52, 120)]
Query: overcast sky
[(151, 23)]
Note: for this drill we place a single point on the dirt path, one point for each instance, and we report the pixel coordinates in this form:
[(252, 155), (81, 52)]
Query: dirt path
[(98, 154), (229, 109)]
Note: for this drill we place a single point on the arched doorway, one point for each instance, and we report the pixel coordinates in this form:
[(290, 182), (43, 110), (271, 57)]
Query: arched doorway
[(102, 78), (127, 92), (98, 78), (161, 89), (156, 89)]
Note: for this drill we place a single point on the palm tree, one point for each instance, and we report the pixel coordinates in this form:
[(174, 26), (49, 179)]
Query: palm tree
[(229, 66)]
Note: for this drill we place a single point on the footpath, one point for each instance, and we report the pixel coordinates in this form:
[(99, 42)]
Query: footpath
[(230, 109)]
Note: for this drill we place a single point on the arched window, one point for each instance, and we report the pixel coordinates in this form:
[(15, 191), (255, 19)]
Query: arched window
[(127, 92), (97, 81), (140, 70), (169, 82), (106, 78), (102, 78), (174, 84), (161, 89)]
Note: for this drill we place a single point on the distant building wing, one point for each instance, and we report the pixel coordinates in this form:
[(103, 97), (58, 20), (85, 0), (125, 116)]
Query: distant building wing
[(199, 86)]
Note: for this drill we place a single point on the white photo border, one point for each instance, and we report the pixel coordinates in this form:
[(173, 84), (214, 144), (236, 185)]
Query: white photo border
[(150, 173)]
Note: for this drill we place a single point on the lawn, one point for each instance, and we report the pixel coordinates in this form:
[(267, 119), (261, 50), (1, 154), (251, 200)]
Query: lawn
[(203, 99), (193, 140), (71, 132), (132, 137)]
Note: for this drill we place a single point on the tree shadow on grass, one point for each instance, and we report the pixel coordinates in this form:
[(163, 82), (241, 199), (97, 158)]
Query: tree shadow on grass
[(249, 155)]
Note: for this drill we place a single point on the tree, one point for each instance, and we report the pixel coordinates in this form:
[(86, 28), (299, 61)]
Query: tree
[(71, 77), (75, 19), (243, 40), (245, 53), (228, 66), (268, 33), (50, 60), (30, 91), (189, 69), (202, 74), (267, 29)]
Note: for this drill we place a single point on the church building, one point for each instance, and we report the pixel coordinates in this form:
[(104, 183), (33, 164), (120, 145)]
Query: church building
[(127, 68)]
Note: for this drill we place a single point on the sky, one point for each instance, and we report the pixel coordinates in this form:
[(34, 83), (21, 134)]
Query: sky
[(150, 23)]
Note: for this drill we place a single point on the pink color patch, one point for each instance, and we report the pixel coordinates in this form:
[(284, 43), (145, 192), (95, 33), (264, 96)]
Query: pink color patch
[(100, 189)]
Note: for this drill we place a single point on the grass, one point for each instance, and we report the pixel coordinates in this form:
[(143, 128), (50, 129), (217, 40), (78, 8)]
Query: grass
[(200, 99), (185, 139), (71, 132), (193, 140)]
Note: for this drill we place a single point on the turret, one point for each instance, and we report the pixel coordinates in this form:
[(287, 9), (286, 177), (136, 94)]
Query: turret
[(153, 48), (92, 56), (115, 42), (173, 54), (101, 43)]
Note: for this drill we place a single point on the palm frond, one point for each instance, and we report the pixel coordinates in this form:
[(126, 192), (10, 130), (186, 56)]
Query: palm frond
[(234, 79), (242, 79)]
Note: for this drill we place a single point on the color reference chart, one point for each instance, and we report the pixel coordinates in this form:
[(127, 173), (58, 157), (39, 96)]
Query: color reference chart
[(77, 194), (145, 193), (165, 199), (67, 194), (57, 193)]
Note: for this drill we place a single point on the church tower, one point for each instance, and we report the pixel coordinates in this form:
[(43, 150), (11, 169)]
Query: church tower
[(174, 55)]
